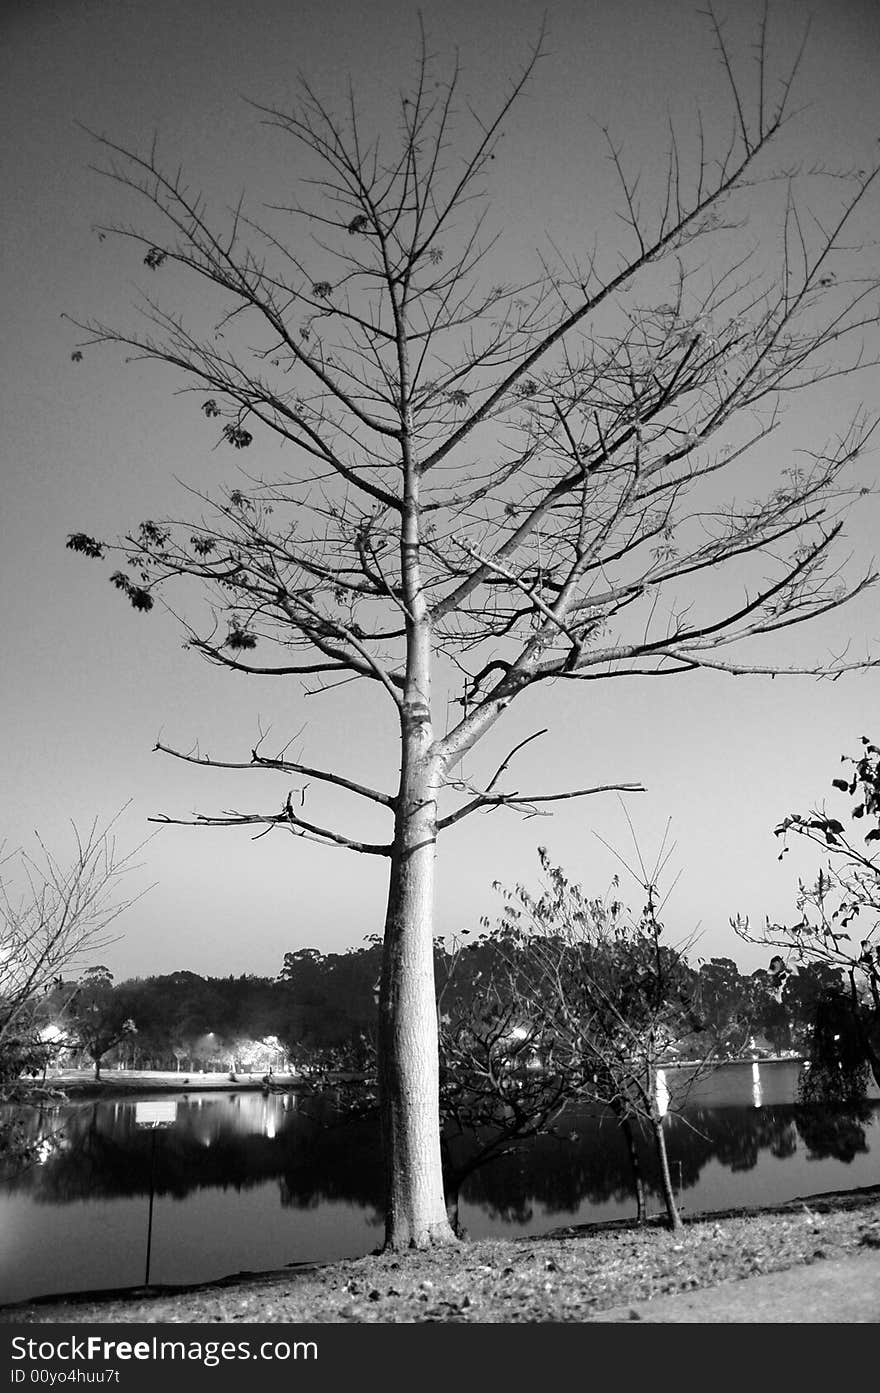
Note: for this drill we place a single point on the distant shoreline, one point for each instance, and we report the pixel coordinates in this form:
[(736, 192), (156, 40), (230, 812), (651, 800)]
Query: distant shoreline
[(81, 1083)]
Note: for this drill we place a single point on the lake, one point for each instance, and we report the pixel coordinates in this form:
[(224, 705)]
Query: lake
[(247, 1182)]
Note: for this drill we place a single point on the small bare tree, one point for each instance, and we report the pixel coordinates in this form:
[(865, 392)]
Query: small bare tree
[(491, 1098), (489, 486), (607, 1000), (53, 916)]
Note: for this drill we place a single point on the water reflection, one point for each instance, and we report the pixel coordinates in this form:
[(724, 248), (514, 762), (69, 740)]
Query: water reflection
[(100, 1150), (300, 1155)]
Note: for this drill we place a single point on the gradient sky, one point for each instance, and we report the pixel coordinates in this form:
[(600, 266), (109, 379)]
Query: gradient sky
[(89, 685)]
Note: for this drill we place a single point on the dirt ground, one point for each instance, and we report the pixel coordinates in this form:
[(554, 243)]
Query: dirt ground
[(573, 1275)]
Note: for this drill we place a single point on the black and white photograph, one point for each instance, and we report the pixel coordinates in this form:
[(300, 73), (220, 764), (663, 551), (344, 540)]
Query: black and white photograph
[(440, 602)]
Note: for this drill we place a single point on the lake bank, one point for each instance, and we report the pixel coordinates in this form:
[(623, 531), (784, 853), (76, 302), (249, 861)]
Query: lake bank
[(570, 1275), (81, 1083)]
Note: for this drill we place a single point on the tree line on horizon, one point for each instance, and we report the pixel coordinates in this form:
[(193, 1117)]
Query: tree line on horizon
[(321, 1011)]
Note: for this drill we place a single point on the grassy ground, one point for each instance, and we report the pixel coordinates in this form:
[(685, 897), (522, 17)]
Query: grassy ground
[(81, 1083), (571, 1275)]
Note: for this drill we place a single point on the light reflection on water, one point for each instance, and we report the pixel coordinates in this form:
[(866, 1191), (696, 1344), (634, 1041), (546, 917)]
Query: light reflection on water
[(251, 1182)]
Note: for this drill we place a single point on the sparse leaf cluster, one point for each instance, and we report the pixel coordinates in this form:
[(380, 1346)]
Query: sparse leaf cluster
[(139, 597)]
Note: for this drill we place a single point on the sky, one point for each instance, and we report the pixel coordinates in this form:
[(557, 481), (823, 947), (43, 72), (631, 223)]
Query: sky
[(89, 686)]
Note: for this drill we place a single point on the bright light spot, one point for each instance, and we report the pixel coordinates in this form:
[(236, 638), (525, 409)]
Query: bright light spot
[(661, 1092)]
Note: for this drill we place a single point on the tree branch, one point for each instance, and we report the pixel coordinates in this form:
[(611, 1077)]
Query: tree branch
[(287, 818), (258, 761)]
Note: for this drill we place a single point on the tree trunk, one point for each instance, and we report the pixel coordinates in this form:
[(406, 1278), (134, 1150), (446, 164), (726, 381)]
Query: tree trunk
[(665, 1179), (97, 1066), (415, 1210), (636, 1168)]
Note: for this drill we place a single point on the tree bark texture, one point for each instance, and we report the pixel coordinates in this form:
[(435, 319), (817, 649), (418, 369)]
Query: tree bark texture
[(415, 1209), (665, 1178), (635, 1167)]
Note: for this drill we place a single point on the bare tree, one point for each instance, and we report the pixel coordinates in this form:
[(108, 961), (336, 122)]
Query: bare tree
[(53, 915), (489, 486), (608, 1001)]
